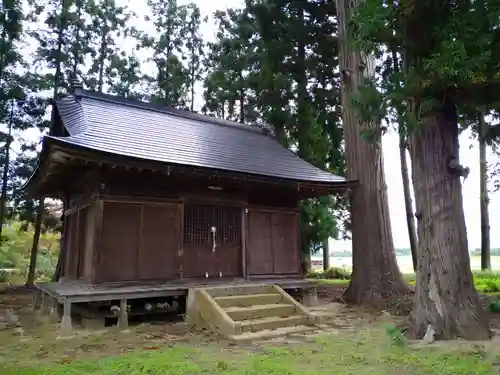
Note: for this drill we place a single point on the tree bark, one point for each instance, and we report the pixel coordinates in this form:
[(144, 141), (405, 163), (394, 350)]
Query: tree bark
[(410, 217), (483, 191), (30, 279), (376, 275), (445, 299), (5, 174), (326, 256)]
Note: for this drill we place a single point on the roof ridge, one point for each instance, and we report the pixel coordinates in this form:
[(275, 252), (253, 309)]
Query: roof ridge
[(264, 129)]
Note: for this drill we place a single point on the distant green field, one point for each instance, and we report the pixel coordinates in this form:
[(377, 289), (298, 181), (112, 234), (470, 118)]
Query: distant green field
[(486, 282), (405, 263)]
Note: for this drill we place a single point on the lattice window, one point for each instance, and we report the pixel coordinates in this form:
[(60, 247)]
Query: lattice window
[(199, 220)]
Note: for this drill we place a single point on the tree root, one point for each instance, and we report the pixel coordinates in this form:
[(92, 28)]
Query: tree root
[(414, 327), (407, 327)]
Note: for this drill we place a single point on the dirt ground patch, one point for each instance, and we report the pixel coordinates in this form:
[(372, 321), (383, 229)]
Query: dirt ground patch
[(330, 293), (26, 336), (349, 340)]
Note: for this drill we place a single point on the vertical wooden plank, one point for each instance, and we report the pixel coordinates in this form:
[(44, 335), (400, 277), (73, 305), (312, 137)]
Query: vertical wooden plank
[(180, 250), (89, 240), (159, 247), (285, 246), (75, 253), (243, 232), (65, 246), (273, 236), (96, 260), (259, 245), (298, 237), (139, 243), (120, 238), (82, 248)]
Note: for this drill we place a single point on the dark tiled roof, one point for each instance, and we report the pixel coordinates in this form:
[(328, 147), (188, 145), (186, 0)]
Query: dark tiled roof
[(140, 130)]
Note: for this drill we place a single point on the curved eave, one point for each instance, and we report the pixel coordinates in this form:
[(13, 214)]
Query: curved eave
[(30, 186), (309, 189)]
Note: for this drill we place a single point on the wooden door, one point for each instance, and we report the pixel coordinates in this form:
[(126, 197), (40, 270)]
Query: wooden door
[(227, 221), (120, 241), (285, 243), (157, 257), (211, 241), (259, 246)]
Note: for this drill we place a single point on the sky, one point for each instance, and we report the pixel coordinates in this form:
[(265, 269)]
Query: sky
[(469, 153)]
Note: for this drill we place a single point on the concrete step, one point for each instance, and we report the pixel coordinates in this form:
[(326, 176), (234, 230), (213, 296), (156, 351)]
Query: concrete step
[(248, 300), (261, 324), (260, 311), (271, 333)]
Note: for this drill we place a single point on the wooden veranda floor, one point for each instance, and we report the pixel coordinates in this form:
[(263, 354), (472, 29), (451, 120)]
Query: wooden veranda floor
[(81, 291)]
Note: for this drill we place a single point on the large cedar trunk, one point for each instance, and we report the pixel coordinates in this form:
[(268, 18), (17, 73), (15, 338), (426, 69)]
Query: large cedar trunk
[(445, 298), (375, 274), (410, 217), (483, 192)]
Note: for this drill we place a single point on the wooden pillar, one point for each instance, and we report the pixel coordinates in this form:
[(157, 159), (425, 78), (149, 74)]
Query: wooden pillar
[(244, 213), (123, 316), (98, 218), (66, 326)]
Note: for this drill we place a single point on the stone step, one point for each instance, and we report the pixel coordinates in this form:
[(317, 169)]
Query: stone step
[(271, 333), (260, 311), (248, 300), (238, 290), (261, 324)]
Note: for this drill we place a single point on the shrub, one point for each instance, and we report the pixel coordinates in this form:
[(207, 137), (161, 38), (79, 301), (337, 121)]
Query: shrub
[(15, 252), (4, 276), (332, 273)]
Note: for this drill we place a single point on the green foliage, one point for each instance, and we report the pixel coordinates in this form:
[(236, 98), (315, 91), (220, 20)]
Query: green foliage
[(16, 248), (396, 336), (494, 306), (334, 273), (108, 22), (487, 282), (429, 50), (177, 36)]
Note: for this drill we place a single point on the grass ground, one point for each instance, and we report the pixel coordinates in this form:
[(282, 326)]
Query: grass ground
[(352, 341), (341, 355), (485, 282)]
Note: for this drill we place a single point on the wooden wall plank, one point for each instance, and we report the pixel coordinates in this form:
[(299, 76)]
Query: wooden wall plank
[(120, 240), (157, 258)]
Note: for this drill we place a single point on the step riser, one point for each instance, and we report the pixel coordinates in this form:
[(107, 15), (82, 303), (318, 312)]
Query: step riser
[(241, 290), (265, 312), (266, 335), (248, 300), (275, 324)]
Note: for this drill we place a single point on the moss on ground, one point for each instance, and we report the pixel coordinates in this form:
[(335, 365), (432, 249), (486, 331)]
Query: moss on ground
[(358, 343), (367, 352)]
